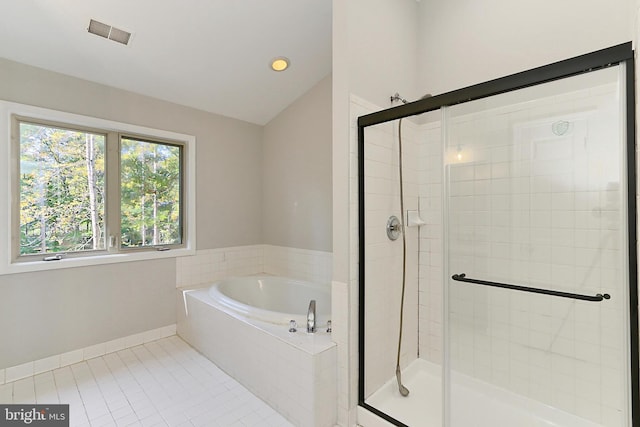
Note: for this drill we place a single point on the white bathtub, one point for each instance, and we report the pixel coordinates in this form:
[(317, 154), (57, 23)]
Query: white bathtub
[(242, 325), (273, 299)]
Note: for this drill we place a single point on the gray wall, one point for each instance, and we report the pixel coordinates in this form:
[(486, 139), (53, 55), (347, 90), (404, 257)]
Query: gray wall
[(42, 314), (297, 184), (45, 313), (228, 150)]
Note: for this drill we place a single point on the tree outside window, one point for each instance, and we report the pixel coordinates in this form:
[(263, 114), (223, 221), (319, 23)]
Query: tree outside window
[(63, 195)]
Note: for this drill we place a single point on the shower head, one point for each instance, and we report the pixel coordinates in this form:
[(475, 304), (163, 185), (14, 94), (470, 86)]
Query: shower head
[(396, 97)]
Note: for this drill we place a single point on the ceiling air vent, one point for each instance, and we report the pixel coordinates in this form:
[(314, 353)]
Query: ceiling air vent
[(108, 32)]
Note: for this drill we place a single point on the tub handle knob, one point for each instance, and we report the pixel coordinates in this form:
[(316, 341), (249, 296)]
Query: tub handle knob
[(329, 326), (292, 326)]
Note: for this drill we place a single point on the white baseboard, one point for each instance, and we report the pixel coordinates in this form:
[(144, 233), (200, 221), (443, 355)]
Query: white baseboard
[(36, 367)]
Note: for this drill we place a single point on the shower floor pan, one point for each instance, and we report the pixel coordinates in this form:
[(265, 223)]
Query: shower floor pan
[(473, 403)]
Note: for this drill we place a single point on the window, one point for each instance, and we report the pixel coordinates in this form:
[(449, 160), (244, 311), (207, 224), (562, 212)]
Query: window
[(88, 191), (63, 193), (62, 189), (150, 193)]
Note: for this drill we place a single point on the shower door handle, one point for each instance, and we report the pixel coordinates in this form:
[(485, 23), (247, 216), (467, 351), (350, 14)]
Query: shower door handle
[(595, 298)]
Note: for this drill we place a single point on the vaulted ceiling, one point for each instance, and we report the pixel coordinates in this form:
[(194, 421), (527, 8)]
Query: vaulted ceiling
[(212, 55)]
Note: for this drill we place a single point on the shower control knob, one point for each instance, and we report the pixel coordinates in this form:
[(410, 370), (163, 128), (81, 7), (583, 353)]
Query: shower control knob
[(394, 227)]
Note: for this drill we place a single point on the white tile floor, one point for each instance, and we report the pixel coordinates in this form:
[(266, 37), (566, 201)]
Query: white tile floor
[(161, 383)]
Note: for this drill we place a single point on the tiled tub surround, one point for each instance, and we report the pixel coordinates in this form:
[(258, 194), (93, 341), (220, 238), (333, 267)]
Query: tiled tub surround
[(294, 372), (209, 265)]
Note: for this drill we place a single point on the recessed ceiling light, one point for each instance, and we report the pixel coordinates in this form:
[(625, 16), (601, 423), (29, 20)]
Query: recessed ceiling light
[(280, 63)]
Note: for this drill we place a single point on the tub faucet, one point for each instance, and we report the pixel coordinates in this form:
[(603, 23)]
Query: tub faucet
[(311, 317)]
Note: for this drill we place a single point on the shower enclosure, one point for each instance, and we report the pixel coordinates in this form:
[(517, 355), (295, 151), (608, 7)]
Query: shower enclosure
[(519, 260)]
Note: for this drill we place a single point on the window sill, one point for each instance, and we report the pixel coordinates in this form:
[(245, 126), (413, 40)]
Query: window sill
[(33, 266)]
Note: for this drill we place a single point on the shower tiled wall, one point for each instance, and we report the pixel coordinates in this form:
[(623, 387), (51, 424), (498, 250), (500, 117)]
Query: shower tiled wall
[(528, 203), (384, 259), (431, 234), (528, 206)]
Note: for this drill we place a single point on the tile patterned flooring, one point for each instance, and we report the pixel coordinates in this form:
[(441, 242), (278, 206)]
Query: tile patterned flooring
[(161, 383)]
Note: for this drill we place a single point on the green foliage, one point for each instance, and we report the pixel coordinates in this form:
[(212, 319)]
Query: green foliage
[(56, 191), (150, 193), (62, 191)]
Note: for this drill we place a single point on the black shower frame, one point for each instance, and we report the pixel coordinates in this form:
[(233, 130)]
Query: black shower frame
[(622, 53)]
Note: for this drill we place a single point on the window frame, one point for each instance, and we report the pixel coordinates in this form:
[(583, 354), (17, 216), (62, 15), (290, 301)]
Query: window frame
[(16, 257), (12, 262), (118, 224)]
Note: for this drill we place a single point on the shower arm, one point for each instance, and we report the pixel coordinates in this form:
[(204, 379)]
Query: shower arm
[(597, 298)]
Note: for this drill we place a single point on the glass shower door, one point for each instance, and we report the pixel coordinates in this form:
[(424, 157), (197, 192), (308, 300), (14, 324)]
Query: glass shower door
[(401, 326), (535, 197)]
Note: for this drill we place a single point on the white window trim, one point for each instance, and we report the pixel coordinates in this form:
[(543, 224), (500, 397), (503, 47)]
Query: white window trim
[(7, 110)]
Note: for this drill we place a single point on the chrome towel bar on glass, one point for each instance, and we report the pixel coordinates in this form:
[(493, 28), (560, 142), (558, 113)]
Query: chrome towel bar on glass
[(598, 297)]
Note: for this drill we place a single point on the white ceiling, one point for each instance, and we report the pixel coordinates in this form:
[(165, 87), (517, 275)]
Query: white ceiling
[(208, 54)]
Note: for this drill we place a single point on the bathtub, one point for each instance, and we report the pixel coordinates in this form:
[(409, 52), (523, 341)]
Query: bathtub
[(242, 325), (273, 299)]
